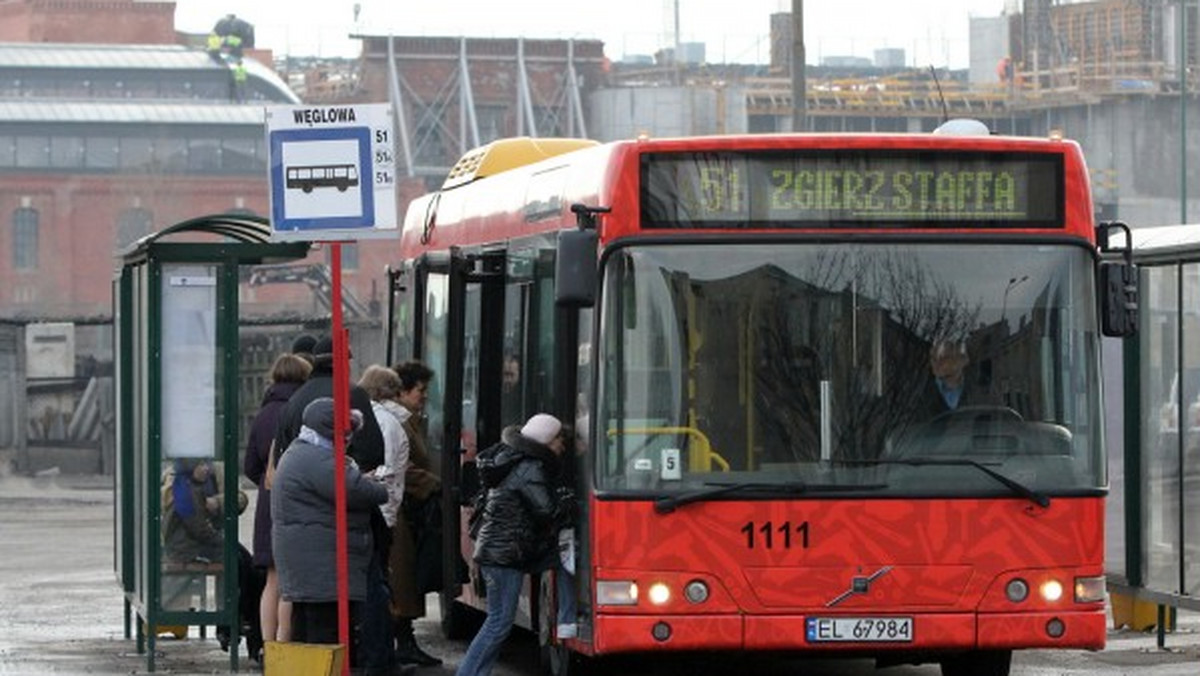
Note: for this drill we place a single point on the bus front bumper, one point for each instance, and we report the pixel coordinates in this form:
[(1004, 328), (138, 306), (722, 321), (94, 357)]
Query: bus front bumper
[(941, 631)]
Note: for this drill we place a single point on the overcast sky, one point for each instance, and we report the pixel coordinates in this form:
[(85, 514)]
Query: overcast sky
[(932, 32)]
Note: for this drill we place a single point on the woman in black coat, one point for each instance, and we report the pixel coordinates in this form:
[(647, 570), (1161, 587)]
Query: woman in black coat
[(288, 373)]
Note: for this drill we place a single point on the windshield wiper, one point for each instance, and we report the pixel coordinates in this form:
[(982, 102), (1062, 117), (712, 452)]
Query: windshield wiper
[(1036, 497), (668, 504)]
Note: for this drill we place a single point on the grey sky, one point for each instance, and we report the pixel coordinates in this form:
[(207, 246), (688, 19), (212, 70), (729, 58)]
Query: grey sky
[(932, 32)]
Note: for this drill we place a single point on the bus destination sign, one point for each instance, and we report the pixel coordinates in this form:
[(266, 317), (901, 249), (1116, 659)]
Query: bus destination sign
[(852, 188)]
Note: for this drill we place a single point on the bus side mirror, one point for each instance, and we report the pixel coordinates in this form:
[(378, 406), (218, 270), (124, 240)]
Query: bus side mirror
[(1118, 282), (1118, 299), (575, 268)]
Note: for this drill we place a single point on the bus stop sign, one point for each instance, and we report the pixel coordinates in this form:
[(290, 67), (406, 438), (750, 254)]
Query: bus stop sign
[(332, 172)]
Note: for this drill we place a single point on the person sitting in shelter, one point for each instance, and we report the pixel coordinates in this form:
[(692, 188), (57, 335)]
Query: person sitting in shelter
[(193, 506)]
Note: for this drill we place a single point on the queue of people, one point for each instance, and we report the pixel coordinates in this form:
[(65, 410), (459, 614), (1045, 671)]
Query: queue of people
[(390, 485), (393, 513)]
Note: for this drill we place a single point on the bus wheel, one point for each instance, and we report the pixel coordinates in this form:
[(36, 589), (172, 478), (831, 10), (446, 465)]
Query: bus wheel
[(459, 621), (556, 659), (980, 663)]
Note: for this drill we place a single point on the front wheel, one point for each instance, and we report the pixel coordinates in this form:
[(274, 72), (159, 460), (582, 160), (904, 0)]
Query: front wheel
[(978, 663)]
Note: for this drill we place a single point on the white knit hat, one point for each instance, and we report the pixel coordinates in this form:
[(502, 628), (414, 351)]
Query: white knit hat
[(542, 428)]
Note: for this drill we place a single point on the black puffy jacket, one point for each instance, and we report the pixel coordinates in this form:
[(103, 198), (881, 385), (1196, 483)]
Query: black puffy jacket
[(518, 478)]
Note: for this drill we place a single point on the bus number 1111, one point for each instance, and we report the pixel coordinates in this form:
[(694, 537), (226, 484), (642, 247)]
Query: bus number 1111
[(766, 533)]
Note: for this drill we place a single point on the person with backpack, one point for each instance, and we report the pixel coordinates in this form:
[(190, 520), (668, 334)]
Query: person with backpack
[(517, 534)]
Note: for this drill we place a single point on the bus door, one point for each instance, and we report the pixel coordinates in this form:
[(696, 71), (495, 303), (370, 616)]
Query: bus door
[(439, 295), (459, 310)]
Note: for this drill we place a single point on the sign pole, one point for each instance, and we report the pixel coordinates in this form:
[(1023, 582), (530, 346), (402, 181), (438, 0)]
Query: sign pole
[(341, 407)]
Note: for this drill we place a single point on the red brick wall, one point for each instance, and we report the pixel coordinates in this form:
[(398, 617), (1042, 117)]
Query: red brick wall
[(95, 21)]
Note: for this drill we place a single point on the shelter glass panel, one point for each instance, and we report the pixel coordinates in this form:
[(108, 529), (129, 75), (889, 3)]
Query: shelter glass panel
[(1190, 427), (1160, 431), (189, 360)]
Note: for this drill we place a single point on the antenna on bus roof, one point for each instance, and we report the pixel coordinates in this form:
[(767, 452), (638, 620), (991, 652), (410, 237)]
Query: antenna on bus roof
[(941, 96)]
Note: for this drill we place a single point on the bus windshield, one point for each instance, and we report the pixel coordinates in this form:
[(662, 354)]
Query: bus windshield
[(894, 369)]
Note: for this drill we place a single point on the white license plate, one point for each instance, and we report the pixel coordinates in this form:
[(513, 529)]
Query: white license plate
[(858, 629)]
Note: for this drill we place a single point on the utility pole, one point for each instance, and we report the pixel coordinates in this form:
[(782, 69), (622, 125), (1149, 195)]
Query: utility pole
[(799, 85), (1181, 19)]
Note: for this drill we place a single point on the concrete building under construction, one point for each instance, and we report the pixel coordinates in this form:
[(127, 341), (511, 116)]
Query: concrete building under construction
[(1106, 73)]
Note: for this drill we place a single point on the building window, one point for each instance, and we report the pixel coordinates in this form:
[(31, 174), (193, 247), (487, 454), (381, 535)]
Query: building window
[(25, 238), (33, 151), (66, 152), (100, 152), (132, 225)]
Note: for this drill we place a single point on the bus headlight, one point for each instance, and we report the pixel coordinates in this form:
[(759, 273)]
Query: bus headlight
[(1052, 591), (616, 593), (659, 593), (1090, 589)]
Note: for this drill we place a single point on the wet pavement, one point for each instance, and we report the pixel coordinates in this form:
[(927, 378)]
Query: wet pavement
[(61, 611)]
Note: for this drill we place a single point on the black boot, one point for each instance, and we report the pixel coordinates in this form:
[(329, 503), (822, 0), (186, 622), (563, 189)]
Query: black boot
[(407, 650)]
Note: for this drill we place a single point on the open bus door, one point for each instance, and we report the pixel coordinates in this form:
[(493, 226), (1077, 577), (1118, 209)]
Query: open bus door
[(439, 293), (458, 300)]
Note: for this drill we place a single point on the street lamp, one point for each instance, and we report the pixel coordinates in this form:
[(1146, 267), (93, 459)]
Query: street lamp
[(1012, 282)]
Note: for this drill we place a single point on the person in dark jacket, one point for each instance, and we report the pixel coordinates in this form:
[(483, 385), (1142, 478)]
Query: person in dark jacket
[(304, 529), (288, 373), (367, 446), (517, 532)]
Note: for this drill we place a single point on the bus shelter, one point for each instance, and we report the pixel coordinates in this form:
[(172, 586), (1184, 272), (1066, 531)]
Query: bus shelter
[(1162, 428), (177, 498)]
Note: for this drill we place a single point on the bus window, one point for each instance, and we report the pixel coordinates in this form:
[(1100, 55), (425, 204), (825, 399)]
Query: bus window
[(757, 362)]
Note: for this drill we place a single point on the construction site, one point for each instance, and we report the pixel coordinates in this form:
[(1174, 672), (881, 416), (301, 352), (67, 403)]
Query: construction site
[(1118, 76)]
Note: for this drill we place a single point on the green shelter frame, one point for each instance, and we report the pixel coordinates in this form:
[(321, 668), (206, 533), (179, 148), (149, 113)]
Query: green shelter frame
[(176, 343)]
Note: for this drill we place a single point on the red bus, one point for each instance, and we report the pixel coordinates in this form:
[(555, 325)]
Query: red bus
[(741, 329)]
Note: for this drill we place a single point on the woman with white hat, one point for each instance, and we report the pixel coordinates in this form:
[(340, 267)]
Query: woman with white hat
[(517, 533)]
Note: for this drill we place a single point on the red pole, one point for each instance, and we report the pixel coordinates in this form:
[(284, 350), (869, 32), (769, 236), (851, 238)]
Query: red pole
[(341, 408)]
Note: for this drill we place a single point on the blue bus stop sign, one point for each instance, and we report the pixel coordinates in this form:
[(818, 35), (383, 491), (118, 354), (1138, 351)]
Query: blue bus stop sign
[(332, 172)]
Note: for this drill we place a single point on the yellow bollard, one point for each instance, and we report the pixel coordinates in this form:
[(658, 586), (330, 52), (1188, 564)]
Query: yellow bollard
[(303, 659), (1137, 614), (179, 631)]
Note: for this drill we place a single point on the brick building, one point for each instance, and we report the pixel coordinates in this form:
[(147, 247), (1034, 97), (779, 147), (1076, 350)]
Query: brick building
[(91, 21)]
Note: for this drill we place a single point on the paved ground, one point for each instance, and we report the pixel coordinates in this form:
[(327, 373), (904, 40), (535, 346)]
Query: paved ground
[(61, 610)]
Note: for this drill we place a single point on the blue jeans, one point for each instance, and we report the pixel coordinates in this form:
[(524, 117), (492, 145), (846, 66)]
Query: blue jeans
[(565, 589), (503, 592)]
